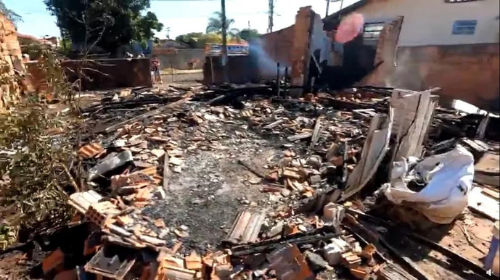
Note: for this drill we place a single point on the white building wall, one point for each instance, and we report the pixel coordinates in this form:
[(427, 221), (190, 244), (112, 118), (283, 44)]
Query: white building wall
[(430, 22)]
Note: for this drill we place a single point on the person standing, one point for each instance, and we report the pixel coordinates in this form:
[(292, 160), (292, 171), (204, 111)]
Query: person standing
[(155, 68)]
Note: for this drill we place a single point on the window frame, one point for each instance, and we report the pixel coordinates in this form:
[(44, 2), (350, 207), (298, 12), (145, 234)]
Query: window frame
[(464, 27), (374, 34), (460, 1)]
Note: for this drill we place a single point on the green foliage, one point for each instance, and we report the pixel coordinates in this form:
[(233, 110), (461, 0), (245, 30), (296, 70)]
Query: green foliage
[(38, 153), (215, 25), (32, 181), (197, 40), (108, 24), (65, 46), (10, 14), (248, 34), (56, 81)]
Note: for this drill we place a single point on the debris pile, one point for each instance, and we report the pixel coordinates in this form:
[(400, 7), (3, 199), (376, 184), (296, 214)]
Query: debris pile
[(305, 218)]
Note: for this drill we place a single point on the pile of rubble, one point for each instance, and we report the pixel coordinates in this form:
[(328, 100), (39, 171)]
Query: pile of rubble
[(307, 225)]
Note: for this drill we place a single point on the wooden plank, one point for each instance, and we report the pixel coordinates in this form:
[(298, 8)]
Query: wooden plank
[(83, 200), (315, 136), (487, 179), (491, 193), (484, 204), (489, 163), (300, 136), (166, 172)]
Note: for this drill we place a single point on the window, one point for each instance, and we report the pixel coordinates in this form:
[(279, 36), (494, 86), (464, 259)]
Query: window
[(459, 1), (372, 30), (464, 27)]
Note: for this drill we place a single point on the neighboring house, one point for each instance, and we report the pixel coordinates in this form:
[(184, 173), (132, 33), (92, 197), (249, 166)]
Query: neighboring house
[(168, 47), (24, 39), (419, 44), (177, 55), (438, 22), (169, 43)]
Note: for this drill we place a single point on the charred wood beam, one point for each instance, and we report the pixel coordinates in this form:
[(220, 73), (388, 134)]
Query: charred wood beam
[(146, 115), (381, 244), (130, 104), (349, 106), (228, 96), (432, 245), (270, 245)]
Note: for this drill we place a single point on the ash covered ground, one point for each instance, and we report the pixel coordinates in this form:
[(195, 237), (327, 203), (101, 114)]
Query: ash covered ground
[(212, 187)]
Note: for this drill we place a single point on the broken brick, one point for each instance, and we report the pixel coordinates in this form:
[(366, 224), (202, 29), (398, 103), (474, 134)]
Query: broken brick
[(159, 223), (53, 260), (359, 273), (273, 176), (143, 195), (193, 261), (90, 150), (350, 260), (124, 220), (66, 275), (368, 251), (292, 174)]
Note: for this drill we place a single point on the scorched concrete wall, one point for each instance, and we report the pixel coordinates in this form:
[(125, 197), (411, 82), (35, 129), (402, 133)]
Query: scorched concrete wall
[(466, 72)]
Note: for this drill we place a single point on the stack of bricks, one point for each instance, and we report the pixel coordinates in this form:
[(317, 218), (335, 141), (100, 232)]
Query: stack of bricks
[(102, 213), (10, 60)]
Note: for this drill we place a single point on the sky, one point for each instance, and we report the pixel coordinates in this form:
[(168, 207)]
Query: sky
[(184, 16)]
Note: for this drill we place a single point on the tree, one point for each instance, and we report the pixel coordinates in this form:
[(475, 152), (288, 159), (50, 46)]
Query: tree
[(215, 25), (197, 40), (190, 39), (108, 24), (248, 34), (10, 14)]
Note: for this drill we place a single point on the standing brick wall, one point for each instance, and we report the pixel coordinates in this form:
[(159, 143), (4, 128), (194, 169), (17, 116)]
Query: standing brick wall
[(10, 60), (302, 36)]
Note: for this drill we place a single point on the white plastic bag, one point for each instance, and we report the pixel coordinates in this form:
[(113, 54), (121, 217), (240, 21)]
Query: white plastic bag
[(449, 180)]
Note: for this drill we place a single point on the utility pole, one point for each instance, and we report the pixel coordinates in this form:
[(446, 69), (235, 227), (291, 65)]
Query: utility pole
[(224, 41), (328, 5), (271, 14)]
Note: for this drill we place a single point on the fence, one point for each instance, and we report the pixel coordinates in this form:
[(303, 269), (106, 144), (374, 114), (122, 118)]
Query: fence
[(182, 59), (102, 74)]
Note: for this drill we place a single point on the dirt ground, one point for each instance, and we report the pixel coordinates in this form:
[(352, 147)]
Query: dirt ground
[(182, 78)]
